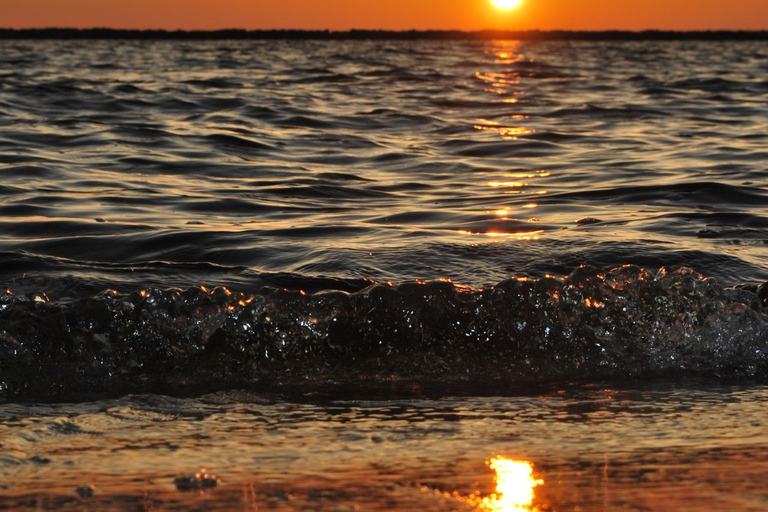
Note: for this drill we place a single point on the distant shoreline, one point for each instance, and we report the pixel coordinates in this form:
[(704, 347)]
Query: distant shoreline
[(384, 35)]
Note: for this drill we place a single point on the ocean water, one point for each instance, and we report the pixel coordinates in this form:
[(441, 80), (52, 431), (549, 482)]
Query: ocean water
[(409, 257), (157, 164)]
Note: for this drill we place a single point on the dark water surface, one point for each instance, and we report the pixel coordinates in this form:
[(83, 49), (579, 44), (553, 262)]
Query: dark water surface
[(135, 164)]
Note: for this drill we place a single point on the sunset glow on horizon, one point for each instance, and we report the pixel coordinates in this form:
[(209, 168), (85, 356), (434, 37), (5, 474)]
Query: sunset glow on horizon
[(392, 15)]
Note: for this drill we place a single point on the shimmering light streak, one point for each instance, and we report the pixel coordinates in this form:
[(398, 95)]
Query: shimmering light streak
[(523, 235)]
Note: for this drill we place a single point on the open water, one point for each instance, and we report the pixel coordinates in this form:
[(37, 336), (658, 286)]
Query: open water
[(354, 231)]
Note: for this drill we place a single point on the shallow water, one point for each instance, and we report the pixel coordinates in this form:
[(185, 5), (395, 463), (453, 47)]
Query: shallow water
[(593, 449)]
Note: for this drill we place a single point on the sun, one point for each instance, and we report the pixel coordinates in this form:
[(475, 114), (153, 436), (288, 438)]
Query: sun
[(506, 4)]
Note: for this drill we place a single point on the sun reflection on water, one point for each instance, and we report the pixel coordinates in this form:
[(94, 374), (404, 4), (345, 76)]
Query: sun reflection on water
[(519, 235), (514, 485)]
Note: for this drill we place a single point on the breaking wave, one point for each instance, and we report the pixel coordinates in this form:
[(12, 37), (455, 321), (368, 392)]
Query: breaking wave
[(590, 325)]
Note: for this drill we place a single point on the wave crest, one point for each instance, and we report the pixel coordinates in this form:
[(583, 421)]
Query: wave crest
[(589, 325)]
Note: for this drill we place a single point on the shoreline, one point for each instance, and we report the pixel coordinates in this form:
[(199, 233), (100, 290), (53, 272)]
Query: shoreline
[(383, 35), (593, 449)]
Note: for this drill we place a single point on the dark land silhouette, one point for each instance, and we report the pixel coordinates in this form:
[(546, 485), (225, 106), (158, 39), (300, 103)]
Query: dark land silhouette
[(554, 35)]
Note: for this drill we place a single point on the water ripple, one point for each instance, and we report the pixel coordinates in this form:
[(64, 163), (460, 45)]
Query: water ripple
[(467, 160)]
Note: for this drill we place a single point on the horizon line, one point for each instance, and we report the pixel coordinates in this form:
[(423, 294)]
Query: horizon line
[(379, 34)]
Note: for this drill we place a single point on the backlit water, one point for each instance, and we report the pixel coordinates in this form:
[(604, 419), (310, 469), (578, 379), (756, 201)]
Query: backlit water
[(131, 164), (380, 244)]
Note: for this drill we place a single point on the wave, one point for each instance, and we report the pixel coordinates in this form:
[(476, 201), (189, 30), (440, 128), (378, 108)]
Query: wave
[(697, 193), (590, 325)]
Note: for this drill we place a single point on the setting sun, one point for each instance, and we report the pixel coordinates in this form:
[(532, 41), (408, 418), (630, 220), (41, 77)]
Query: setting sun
[(506, 4)]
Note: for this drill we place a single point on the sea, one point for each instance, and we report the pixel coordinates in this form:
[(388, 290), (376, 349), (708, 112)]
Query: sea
[(386, 275)]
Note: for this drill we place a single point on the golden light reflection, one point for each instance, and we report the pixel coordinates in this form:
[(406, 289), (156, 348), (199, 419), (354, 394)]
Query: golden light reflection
[(496, 184), (507, 57), (515, 485), (499, 79), (592, 303), (536, 174), (515, 488), (521, 235), (506, 132)]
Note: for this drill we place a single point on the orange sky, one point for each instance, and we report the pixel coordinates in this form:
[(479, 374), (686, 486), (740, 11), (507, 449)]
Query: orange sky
[(387, 14)]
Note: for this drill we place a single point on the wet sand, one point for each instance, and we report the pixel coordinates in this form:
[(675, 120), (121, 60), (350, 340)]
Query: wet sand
[(593, 449)]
